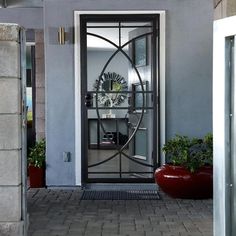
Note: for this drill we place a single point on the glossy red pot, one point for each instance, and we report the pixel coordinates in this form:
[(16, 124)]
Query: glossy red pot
[(36, 177), (178, 182)]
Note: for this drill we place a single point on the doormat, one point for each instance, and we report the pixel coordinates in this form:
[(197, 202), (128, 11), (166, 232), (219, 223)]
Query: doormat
[(121, 195)]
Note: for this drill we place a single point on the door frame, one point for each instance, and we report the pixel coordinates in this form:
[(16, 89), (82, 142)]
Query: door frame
[(161, 76), (153, 19)]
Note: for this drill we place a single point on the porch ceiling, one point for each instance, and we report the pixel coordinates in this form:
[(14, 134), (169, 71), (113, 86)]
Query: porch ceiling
[(38, 3)]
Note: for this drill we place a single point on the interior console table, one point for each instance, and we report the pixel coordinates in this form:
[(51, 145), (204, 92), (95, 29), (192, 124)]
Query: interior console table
[(113, 139)]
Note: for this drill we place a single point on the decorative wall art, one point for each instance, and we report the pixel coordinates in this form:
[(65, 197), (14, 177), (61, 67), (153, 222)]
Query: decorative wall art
[(112, 86)]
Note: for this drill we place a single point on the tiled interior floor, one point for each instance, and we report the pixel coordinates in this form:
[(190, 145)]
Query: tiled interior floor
[(60, 212)]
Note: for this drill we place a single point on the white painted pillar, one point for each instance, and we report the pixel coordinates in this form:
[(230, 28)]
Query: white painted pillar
[(224, 113)]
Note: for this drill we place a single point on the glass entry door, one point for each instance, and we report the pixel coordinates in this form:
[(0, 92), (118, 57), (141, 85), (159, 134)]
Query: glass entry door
[(119, 69)]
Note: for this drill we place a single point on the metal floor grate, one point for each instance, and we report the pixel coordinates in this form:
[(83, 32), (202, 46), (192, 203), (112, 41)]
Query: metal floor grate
[(121, 186), (121, 195)]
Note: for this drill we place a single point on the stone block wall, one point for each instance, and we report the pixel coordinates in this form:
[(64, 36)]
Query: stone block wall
[(40, 85), (11, 223)]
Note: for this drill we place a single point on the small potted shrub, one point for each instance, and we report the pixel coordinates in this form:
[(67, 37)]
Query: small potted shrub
[(36, 164), (188, 172)]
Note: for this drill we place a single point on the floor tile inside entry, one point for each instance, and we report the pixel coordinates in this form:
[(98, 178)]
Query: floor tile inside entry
[(60, 212)]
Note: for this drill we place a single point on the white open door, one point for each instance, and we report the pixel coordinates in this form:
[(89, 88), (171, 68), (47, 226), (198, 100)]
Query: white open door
[(224, 126)]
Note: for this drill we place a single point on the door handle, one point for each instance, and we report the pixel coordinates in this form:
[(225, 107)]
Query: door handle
[(88, 96), (88, 100)]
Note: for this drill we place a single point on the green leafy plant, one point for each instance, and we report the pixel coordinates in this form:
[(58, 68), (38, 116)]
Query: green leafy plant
[(190, 153), (37, 154)]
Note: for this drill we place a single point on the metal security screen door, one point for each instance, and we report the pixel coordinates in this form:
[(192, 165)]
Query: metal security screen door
[(119, 71)]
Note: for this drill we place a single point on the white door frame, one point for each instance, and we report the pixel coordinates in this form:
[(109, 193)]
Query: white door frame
[(78, 135), (221, 127)]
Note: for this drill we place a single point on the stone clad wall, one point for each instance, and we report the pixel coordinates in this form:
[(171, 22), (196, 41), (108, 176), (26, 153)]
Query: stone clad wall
[(224, 8), (10, 132), (40, 85)]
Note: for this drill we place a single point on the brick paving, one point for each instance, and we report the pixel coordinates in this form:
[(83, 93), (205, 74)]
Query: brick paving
[(60, 212)]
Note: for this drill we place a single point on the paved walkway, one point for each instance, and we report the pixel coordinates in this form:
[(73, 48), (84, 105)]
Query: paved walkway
[(60, 212)]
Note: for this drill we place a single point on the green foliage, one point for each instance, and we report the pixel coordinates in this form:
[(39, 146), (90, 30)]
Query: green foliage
[(190, 153), (29, 115), (37, 154)]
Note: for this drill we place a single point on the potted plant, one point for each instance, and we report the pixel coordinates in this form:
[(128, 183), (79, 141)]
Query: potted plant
[(36, 164), (188, 172)]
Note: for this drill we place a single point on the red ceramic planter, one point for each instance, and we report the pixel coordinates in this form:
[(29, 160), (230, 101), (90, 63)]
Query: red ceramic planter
[(178, 182), (36, 177)]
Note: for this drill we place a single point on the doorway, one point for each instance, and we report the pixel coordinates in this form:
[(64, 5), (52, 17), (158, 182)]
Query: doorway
[(120, 93)]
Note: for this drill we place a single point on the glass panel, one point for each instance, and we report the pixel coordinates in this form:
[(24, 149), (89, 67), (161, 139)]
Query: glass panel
[(111, 34), (140, 148), (133, 102), (123, 81), (133, 31), (109, 169), (96, 60), (136, 24), (102, 24), (94, 44), (96, 156)]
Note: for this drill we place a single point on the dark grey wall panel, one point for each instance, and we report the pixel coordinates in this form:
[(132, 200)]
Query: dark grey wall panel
[(188, 73)]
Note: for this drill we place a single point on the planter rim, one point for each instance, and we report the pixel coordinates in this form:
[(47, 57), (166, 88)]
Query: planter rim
[(171, 166), (33, 166)]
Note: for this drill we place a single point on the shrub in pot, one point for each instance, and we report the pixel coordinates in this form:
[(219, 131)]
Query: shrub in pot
[(189, 172), (36, 164)]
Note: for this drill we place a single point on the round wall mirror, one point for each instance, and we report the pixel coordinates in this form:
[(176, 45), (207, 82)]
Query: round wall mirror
[(111, 85)]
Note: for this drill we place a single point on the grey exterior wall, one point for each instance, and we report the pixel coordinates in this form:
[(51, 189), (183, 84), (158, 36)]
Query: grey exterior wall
[(188, 73), (29, 18), (188, 69)]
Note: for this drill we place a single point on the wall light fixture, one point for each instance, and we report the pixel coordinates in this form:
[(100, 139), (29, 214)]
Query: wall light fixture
[(61, 35)]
